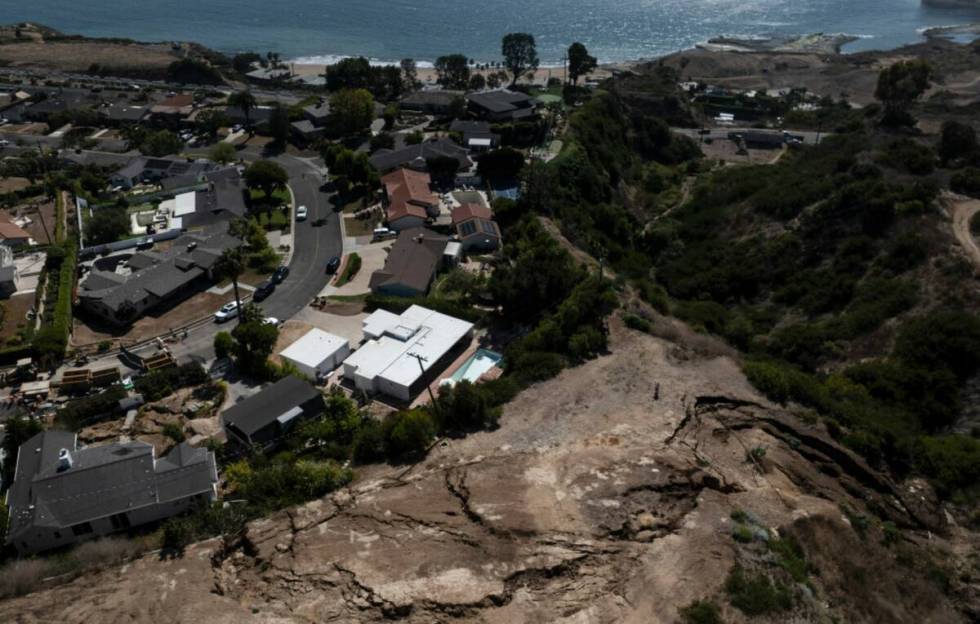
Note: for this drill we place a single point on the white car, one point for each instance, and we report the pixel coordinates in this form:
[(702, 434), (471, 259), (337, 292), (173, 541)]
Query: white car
[(301, 213), (271, 320), (4, 142), (227, 312)]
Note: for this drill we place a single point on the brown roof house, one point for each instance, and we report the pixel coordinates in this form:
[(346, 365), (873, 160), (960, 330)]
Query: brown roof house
[(412, 264), (408, 200), (475, 227), (12, 235)]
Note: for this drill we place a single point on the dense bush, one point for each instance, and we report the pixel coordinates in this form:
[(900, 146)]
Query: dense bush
[(284, 481), (78, 413), (407, 434), (756, 594), (966, 181), (159, 383)]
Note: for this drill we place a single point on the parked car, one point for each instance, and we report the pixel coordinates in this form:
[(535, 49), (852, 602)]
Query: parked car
[(4, 142), (333, 264), (301, 213), (280, 274), (264, 289), (383, 233), (227, 312), (271, 320)]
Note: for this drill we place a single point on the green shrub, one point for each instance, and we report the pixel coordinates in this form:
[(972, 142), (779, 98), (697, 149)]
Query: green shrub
[(350, 269), (408, 433), (701, 612), (173, 431), (160, 383), (223, 344), (637, 322), (756, 594), (966, 181)]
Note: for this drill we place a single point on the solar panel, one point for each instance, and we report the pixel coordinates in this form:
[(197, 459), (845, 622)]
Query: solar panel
[(178, 168), (487, 228), (467, 228)]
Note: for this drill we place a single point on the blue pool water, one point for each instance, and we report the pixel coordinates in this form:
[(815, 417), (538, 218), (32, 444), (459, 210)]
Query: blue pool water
[(478, 363)]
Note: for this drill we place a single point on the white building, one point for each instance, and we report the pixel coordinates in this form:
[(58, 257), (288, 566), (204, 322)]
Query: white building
[(386, 363), (316, 352)]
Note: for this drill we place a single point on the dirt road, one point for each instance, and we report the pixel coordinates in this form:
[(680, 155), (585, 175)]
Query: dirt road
[(962, 210)]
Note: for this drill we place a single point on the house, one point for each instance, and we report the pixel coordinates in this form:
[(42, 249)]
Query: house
[(151, 278), (63, 494), (475, 228), (8, 272), (305, 131), (412, 264), (144, 169), (317, 114), (265, 417), (316, 353), (417, 156), (173, 109), (257, 117), (408, 200), (121, 114), (404, 351), (476, 135), (501, 105), (13, 236), (269, 75), (221, 200), (430, 102)]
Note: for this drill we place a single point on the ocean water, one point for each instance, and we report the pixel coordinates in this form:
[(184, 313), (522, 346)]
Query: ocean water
[(387, 30)]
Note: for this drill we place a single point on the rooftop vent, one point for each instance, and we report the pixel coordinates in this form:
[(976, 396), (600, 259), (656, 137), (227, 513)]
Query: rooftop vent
[(64, 460)]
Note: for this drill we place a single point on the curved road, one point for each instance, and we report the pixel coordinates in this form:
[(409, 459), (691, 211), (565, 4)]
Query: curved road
[(312, 248)]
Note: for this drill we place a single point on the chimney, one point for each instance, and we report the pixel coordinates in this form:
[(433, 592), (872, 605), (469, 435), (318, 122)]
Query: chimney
[(64, 460)]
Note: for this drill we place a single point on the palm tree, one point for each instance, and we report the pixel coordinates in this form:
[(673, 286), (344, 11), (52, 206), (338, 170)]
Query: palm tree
[(245, 101), (231, 264)]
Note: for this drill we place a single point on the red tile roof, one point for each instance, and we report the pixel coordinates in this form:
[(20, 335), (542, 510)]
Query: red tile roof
[(408, 194), (11, 230), (471, 210)]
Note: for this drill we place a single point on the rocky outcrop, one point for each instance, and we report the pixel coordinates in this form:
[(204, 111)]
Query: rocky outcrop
[(606, 495)]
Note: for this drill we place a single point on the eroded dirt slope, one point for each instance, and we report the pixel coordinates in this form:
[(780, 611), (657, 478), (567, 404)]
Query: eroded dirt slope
[(605, 496)]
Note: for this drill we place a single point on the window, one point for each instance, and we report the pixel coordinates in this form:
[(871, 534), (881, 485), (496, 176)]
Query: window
[(119, 521), (81, 529)]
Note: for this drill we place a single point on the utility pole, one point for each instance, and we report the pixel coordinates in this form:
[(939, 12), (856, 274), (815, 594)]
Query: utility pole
[(421, 358)]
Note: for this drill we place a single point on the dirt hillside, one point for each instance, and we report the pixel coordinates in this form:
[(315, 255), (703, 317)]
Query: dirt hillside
[(606, 495)]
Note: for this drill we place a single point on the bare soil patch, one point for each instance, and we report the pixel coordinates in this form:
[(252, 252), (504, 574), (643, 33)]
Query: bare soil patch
[(9, 185), (157, 323), (81, 55), (15, 315)]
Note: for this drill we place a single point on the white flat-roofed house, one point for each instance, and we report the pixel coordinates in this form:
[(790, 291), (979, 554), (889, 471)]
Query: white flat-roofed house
[(317, 352), (387, 362)]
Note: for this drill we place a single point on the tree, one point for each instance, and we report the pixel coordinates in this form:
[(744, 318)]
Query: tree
[(504, 163), (245, 101), (210, 121), (442, 168), (899, 86), (349, 73), (279, 125), (231, 265), (410, 75), (457, 108), (493, 81), (580, 62), (224, 344), (108, 224), (17, 430), (520, 54), (242, 63), (415, 137), (254, 342), (352, 110), (408, 433), (223, 153), (453, 71), (957, 140), (161, 143), (267, 176), (465, 407), (478, 82), (382, 141)]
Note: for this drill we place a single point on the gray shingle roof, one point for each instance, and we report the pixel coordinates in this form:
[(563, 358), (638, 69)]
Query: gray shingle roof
[(261, 410), (412, 261), (102, 480), (385, 160)]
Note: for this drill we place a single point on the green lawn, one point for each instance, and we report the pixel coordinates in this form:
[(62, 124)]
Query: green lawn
[(259, 200)]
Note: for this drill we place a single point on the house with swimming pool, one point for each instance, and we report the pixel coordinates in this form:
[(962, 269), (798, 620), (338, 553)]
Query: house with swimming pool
[(405, 352)]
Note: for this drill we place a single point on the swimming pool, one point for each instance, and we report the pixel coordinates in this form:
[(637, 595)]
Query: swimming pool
[(478, 363)]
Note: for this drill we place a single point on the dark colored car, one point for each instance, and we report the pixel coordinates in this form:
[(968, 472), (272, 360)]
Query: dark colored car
[(333, 264), (280, 274), (264, 289)]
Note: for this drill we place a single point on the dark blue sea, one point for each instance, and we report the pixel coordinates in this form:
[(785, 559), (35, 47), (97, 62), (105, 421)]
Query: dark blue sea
[(388, 30)]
